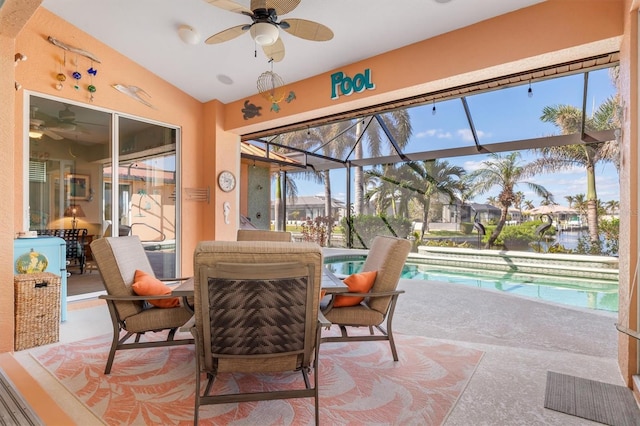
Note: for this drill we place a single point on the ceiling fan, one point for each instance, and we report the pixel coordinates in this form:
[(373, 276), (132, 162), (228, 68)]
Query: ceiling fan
[(67, 121), (264, 28), (38, 127), (43, 124)]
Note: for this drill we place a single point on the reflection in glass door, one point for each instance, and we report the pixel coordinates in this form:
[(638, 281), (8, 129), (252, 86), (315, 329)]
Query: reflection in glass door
[(147, 190)]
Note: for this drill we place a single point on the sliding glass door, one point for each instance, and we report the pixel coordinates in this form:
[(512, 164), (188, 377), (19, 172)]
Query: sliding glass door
[(147, 186), (72, 152)]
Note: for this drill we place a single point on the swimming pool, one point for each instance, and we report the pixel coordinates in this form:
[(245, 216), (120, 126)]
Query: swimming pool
[(584, 293)]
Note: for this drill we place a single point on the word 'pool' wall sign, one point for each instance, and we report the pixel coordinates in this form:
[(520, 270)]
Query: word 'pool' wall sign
[(342, 84)]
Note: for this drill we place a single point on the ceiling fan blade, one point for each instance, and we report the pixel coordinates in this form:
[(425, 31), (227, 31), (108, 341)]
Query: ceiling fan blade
[(53, 135), (280, 6), (308, 30), (275, 51), (62, 126), (66, 114), (41, 116), (91, 124), (231, 6), (228, 34)]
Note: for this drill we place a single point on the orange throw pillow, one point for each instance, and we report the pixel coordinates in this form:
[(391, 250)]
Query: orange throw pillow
[(147, 285), (357, 283)]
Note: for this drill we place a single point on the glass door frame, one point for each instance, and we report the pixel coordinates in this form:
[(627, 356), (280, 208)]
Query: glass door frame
[(114, 158)]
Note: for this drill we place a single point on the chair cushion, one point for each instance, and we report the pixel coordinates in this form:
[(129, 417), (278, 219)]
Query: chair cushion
[(359, 315), (156, 319), (145, 284), (357, 283)]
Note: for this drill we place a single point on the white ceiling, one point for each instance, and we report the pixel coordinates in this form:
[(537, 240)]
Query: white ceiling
[(146, 32)]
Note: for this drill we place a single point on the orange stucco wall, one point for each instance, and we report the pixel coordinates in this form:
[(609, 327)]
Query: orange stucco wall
[(172, 106), (210, 131), (13, 17)]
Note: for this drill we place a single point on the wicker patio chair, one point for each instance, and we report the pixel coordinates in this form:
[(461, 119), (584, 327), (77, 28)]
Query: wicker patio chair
[(263, 235), (256, 312), (117, 259), (386, 256)]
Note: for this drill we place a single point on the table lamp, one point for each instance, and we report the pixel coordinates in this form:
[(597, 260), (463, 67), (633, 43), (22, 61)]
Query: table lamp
[(74, 211)]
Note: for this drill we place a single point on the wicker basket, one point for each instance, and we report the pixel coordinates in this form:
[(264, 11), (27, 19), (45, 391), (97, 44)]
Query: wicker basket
[(37, 309)]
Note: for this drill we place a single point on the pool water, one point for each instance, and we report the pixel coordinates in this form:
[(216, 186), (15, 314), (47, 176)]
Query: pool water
[(592, 294)]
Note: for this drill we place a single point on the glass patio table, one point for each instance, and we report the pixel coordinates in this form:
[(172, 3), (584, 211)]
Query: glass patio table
[(331, 284)]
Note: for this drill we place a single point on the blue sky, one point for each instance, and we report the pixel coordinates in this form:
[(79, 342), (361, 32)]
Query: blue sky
[(499, 116)]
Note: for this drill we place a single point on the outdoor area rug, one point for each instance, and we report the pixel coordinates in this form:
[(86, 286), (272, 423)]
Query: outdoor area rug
[(359, 384), (592, 400)]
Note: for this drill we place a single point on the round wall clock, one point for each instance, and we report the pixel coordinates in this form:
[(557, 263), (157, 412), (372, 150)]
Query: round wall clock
[(227, 181)]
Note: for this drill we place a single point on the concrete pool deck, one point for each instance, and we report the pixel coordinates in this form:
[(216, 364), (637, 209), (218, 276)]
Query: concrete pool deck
[(522, 338)]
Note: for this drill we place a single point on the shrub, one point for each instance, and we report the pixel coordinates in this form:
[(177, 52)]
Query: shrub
[(518, 236), (316, 230)]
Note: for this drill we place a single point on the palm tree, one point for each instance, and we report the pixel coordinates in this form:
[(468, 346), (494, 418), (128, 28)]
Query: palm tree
[(432, 177), (547, 200), (332, 140), (611, 206), (389, 189), (505, 172), (398, 123), (570, 200), (292, 194), (518, 201), (580, 204), (528, 204), (569, 120)]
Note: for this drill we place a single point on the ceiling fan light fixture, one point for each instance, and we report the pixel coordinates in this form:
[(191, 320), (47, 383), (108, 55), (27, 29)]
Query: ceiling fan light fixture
[(188, 34), (264, 34), (35, 134)]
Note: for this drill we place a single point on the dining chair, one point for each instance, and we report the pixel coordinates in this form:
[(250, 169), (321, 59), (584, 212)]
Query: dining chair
[(256, 312), (371, 308), (120, 260), (262, 235)]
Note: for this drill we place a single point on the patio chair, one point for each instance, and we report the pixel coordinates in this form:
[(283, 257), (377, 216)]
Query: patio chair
[(263, 235), (256, 312), (387, 257), (118, 259)]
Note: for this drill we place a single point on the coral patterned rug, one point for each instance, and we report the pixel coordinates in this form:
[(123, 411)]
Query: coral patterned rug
[(359, 384)]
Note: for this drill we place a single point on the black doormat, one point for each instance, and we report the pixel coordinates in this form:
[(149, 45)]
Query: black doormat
[(596, 401)]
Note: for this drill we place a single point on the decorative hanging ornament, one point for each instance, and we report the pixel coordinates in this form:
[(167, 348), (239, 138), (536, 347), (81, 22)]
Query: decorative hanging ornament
[(91, 88), (76, 75), (270, 86), (60, 76)]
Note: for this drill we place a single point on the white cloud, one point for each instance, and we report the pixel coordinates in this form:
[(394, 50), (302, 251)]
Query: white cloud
[(433, 133), (472, 166), (426, 133), (467, 136)]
